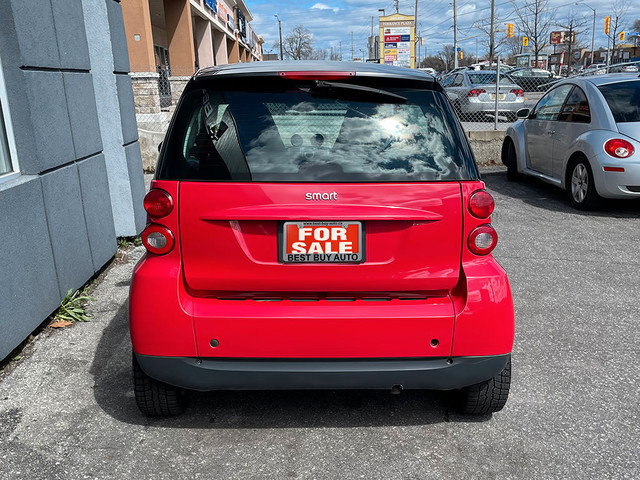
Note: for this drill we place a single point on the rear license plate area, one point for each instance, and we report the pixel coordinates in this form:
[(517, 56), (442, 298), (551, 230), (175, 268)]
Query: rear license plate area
[(321, 242)]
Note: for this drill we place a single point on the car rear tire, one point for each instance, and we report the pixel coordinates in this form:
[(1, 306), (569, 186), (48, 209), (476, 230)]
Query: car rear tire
[(155, 398), (581, 186), (510, 161), (487, 397)]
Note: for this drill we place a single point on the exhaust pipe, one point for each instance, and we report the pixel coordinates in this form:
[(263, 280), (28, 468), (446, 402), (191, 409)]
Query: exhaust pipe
[(396, 390)]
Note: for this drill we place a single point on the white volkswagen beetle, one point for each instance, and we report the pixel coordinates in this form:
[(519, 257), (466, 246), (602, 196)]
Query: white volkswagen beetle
[(583, 136)]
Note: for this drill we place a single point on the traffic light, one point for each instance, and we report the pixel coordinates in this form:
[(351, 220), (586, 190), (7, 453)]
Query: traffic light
[(460, 54), (607, 25), (510, 30), (621, 37), (525, 41)]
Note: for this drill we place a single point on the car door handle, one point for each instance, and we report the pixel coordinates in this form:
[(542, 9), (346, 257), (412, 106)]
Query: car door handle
[(551, 132)]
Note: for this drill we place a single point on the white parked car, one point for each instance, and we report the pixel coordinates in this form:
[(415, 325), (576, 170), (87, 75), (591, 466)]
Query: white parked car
[(583, 136)]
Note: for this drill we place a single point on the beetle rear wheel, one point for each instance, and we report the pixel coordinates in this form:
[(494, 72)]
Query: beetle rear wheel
[(581, 185)]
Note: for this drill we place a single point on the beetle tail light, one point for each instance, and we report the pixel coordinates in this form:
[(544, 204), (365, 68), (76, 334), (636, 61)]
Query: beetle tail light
[(481, 204), (158, 239), (158, 203), (482, 240), (619, 148)]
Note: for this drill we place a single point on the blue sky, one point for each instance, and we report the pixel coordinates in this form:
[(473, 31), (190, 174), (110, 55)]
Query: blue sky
[(332, 22)]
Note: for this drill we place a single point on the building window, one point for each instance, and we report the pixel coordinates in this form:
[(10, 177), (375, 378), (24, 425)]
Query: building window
[(8, 162)]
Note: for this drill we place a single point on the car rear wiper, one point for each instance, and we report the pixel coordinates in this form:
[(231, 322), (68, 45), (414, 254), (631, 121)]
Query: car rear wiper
[(355, 92)]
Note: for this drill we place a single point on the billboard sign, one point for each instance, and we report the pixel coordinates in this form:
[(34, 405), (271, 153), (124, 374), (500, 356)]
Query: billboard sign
[(398, 32), (556, 38)]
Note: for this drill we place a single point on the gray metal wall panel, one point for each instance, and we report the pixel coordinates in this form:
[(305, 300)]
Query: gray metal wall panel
[(70, 33), (97, 210), (118, 37), (127, 109), (138, 190), (67, 227), (35, 33), (50, 120), (83, 114), (28, 284)]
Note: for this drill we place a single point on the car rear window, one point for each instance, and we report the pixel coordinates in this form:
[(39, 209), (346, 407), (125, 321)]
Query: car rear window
[(279, 131), (623, 99), (487, 78)]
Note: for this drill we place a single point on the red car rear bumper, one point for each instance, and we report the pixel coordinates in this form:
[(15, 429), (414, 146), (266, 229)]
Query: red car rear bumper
[(377, 341)]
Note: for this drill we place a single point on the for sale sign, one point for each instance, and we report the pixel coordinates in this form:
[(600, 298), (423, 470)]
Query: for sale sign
[(322, 242)]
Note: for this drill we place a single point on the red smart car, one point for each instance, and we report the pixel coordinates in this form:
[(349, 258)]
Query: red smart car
[(318, 225)]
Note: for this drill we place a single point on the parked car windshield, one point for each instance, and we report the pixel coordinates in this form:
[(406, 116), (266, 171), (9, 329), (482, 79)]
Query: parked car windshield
[(486, 78), (623, 99), (281, 132)]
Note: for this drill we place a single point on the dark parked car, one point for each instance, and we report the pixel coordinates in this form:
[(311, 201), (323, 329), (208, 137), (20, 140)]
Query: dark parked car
[(529, 79)]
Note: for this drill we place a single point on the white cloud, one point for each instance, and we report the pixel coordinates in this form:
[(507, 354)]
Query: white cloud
[(324, 6)]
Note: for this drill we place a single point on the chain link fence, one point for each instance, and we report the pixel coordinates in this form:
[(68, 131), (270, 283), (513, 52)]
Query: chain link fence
[(156, 93), (485, 100)]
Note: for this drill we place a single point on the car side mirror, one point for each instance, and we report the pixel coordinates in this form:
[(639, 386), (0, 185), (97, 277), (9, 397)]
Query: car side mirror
[(159, 147), (523, 113)]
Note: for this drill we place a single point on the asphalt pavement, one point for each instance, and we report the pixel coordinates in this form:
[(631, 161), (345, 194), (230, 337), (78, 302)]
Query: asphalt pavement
[(67, 409)]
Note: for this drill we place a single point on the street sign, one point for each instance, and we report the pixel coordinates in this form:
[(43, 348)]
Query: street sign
[(556, 38)]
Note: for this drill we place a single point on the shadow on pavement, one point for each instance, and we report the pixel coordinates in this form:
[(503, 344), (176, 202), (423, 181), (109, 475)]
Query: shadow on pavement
[(539, 194), (113, 392)]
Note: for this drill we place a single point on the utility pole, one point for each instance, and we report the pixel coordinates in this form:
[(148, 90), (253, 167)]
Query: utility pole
[(455, 35), (397, 2), (340, 44), (280, 29), (352, 56), (492, 33), (415, 31)]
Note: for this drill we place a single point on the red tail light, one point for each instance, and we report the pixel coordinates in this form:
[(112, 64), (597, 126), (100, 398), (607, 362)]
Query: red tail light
[(482, 240), (158, 239), (475, 92), (619, 148), (317, 75), (517, 91), (158, 203), (481, 204)]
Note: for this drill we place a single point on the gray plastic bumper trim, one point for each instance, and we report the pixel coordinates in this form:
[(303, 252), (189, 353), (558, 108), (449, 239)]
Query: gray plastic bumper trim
[(206, 374)]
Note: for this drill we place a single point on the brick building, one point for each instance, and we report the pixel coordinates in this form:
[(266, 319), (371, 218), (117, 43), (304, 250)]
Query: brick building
[(168, 40)]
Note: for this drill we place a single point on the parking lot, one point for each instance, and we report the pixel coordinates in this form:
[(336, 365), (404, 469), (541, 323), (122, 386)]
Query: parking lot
[(67, 408)]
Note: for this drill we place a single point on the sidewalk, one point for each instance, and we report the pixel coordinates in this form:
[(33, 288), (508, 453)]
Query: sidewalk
[(63, 401)]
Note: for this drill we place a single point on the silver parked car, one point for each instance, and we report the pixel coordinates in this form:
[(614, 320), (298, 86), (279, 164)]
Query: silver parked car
[(473, 95), (583, 136)]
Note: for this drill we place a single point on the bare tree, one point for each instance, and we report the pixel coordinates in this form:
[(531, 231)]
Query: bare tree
[(298, 45), (619, 9), (535, 20), (433, 62), (573, 28), (318, 54), (493, 45), (513, 47)]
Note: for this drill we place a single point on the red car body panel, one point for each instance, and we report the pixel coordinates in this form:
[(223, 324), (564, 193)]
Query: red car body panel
[(227, 246), (324, 329), (229, 237)]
